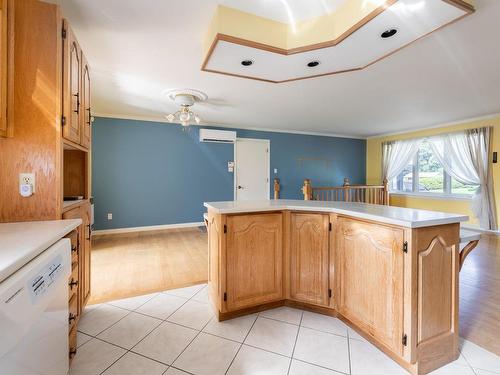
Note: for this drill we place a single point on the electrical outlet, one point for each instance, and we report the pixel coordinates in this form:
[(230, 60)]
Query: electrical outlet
[(27, 179), (110, 216)]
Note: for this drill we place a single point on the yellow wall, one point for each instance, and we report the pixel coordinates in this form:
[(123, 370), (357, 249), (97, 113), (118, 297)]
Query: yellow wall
[(374, 168)]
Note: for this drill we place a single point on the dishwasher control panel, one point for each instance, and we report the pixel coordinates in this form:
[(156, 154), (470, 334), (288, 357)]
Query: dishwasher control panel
[(43, 280)]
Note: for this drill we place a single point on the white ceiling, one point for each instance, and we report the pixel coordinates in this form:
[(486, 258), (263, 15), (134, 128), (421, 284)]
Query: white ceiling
[(285, 11), (137, 49)]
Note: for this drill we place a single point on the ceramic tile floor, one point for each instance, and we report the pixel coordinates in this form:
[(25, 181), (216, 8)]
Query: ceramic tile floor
[(175, 333)]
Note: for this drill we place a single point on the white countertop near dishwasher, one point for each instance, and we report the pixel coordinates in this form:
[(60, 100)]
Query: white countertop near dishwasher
[(406, 217), (21, 242)]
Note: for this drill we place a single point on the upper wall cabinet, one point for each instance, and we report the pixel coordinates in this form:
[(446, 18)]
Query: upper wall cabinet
[(6, 67), (76, 91), (86, 106)]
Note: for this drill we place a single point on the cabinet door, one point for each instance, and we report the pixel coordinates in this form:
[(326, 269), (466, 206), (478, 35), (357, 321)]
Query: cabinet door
[(85, 256), (75, 284), (309, 258), (254, 254), (6, 66), (370, 279), (72, 68), (86, 107)]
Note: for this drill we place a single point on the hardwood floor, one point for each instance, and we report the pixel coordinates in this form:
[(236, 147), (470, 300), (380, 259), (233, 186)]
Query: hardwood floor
[(131, 264), (480, 295)]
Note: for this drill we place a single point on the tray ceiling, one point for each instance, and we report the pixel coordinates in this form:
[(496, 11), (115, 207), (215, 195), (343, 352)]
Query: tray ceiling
[(355, 47)]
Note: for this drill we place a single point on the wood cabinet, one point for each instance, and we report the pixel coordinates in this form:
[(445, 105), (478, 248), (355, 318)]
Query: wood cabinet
[(85, 256), (6, 67), (370, 278), (86, 116), (76, 91), (396, 285), (72, 72), (254, 260), (80, 284), (309, 253)]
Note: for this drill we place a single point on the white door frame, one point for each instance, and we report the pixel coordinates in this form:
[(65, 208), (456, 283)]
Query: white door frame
[(268, 143)]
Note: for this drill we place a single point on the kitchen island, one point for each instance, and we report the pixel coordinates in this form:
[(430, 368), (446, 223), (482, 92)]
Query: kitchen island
[(390, 273)]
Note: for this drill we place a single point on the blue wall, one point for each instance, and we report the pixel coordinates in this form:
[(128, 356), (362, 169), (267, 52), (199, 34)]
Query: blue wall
[(149, 173)]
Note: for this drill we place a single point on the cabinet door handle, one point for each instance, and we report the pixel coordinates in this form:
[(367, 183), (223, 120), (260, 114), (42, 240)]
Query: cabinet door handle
[(90, 231), (74, 248), (72, 352), (73, 283), (71, 317), (88, 110), (77, 103)]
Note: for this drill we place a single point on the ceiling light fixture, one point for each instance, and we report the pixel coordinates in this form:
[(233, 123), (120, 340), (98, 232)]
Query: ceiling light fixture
[(313, 64), (185, 98), (388, 33), (247, 62)]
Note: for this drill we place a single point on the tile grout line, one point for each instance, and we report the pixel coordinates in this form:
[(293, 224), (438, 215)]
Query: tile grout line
[(241, 345), (130, 312), (295, 343)]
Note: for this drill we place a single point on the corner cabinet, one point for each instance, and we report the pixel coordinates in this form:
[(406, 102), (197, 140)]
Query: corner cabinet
[(76, 117), (254, 254), (309, 258), (370, 278), (6, 67)]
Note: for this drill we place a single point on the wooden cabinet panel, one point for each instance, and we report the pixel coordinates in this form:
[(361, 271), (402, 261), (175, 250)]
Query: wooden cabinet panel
[(72, 69), (215, 265), (85, 255), (6, 67), (254, 254), (436, 281), (370, 278), (309, 258), (86, 104)]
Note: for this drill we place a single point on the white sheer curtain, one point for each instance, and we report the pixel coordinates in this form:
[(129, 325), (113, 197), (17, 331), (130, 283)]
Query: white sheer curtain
[(396, 155), (464, 156)]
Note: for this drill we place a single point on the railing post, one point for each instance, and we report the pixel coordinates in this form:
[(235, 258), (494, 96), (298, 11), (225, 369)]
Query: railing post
[(347, 182), (276, 188), (346, 185), (386, 192), (307, 190)]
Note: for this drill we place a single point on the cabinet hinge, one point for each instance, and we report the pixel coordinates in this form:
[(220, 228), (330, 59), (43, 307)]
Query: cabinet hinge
[(225, 228), (330, 227), (329, 293), (225, 296), (405, 340), (405, 247), (63, 33), (63, 120)]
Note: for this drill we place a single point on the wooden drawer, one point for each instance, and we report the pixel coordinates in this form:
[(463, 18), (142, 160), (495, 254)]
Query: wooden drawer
[(72, 343), (73, 311)]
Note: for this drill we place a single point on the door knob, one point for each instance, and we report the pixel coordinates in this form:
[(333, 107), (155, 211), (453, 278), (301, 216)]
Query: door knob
[(240, 187)]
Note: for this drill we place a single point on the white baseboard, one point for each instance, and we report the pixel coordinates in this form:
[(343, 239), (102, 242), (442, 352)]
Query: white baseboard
[(146, 229), (477, 229)]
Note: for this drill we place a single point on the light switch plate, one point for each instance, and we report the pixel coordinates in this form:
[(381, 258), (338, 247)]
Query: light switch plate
[(110, 216), (27, 179)]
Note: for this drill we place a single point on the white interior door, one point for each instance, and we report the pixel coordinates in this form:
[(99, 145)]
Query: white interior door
[(251, 177)]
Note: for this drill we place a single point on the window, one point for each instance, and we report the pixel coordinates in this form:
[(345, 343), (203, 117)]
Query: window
[(425, 175)]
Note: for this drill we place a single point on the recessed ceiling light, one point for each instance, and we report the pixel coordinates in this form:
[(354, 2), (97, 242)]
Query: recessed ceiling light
[(388, 33), (247, 62), (313, 64)]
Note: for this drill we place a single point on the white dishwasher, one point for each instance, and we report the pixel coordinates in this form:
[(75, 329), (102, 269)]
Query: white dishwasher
[(34, 315)]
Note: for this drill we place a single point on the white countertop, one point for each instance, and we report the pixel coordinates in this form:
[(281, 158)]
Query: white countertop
[(21, 242), (406, 217)]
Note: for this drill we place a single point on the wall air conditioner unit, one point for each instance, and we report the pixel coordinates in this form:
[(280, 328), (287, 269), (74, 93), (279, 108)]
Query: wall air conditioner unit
[(217, 136)]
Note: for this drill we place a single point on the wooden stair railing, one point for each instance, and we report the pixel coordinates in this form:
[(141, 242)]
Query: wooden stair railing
[(374, 194)]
